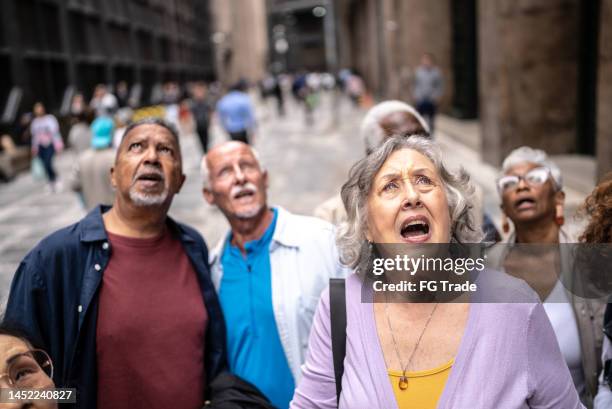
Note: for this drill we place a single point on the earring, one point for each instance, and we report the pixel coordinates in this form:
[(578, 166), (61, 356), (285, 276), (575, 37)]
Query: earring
[(559, 218), (505, 224)]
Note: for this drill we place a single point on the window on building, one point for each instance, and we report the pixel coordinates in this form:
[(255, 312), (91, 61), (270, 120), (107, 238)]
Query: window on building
[(77, 33), (50, 29), (27, 18), (96, 44)]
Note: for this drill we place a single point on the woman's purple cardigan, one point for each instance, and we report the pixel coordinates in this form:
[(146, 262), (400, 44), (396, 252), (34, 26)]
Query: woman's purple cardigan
[(508, 359)]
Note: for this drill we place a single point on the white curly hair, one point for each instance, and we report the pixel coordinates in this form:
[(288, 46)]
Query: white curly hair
[(372, 133)]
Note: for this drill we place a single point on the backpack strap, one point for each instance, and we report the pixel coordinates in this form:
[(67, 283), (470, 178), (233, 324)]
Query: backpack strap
[(337, 310)]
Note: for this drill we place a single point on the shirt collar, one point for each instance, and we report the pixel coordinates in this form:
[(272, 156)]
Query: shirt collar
[(284, 234), (258, 245), (92, 227)]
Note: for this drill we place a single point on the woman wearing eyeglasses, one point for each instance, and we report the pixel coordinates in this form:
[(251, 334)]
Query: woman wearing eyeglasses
[(532, 198), (23, 367)]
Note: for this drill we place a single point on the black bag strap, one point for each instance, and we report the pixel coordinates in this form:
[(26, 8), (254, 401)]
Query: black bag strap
[(337, 311)]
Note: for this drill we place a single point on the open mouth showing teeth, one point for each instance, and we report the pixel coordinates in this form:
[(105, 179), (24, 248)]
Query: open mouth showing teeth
[(415, 228), (244, 193), (151, 177)]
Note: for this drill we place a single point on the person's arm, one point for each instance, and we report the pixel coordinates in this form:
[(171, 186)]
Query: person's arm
[(317, 388), (603, 399), (439, 86), (34, 143), (549, 381), (58, 143), (24, 307)]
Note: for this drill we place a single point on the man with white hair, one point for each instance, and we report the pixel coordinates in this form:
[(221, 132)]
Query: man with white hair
[(269, 270), (382, 121), (390, 118)]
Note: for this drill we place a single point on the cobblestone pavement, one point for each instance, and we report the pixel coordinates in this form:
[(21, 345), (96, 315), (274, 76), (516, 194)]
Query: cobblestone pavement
[(306, 166)]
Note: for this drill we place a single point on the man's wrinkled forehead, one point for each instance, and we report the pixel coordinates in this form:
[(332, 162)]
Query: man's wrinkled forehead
[(148, 131), (228, 154)]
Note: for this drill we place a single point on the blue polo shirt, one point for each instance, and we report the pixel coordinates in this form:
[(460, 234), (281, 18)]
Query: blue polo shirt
[(254, 348)]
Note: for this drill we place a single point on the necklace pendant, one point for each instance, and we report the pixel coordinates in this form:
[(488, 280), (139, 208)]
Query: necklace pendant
[(403, 383)]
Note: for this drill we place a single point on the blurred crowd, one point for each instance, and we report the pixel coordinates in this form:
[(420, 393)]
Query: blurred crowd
[(278, 313)]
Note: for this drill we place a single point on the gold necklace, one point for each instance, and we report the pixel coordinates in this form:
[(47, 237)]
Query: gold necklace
[(403, 381)]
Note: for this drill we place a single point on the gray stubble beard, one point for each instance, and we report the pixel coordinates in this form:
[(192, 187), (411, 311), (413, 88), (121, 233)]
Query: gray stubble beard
[(147, 199)]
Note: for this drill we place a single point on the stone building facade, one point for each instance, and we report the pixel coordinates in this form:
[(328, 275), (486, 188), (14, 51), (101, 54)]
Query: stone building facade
[(536, 72), (51, 48), (240, 38), (604, 91)]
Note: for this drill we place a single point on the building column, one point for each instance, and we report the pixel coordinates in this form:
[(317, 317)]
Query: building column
[(528, 75), (604, 97)]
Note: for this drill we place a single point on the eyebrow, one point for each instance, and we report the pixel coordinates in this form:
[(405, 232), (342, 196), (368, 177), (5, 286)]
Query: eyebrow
[(10, 359), (395, 174)]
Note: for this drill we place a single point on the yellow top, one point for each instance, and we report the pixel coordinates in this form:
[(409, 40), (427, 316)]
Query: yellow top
[(424, 387)]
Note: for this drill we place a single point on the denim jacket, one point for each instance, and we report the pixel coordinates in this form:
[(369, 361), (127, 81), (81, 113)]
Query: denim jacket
[(54, 297), (303, 257)]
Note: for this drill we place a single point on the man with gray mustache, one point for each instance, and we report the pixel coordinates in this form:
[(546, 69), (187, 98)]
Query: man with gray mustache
[(269, 270), (123, 300)]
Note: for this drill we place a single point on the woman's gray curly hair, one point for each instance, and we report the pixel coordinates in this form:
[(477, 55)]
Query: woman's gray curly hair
[(353, 246)]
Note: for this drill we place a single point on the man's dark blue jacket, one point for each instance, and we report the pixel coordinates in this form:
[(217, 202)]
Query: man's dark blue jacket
[(54, 297)]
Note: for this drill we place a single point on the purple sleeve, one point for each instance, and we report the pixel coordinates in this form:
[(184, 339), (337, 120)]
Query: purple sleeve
[(317, 388), (548, 378)]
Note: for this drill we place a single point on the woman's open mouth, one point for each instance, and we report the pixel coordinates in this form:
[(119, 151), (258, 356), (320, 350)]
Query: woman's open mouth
[(415, 229), (525, 203)]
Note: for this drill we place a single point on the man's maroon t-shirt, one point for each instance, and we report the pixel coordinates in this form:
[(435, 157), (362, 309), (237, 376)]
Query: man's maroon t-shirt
[(151, 327)]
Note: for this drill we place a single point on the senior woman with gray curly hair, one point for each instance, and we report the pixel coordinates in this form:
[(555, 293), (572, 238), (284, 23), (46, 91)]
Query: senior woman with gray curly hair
[(425, 355), (530, 188)]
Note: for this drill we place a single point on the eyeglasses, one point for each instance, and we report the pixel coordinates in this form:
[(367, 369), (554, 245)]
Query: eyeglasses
[(534, 177), (28, 369)]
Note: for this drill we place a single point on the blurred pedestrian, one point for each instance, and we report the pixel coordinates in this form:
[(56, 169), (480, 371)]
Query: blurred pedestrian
[(123, 119), (236, 113), (103, 102), (122, 94), (382, 121), (532, 197), (123, 298), (269, 270), (427, 88), (46, 141), (355, 88), (277, 92), (78, 106), (91, 173), (79, 136), (171, 96), (201, 108)]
